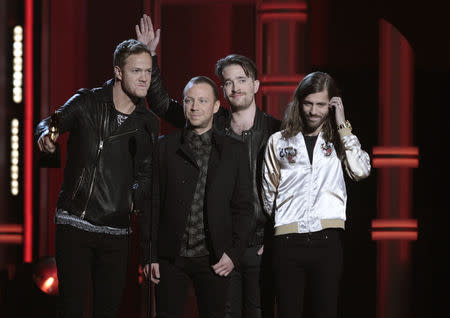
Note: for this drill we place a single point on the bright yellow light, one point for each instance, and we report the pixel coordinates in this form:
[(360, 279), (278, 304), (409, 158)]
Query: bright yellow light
[(17, 45), (18, 37), (18, 76), (18, 29), (17, 67), (17, 52)]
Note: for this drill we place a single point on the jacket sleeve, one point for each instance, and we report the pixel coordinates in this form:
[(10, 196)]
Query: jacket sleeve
[(270, 176), (356, 160), (241, 206), (68, 115), (159, 101), (68, 120)]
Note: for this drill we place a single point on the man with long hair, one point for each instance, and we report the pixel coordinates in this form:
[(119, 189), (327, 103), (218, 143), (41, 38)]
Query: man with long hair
[(304, 188)]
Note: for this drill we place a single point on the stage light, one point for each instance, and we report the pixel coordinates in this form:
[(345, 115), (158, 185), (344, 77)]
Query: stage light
[(18, 64), (45, 275), (14, 157)]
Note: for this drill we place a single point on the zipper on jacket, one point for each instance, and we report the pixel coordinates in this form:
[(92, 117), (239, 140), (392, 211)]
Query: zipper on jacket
[(99, 150), (248, 138), (77, 187)]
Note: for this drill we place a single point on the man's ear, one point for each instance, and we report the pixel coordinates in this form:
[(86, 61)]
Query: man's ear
[(256, 86), (118, 72), (216, 106)]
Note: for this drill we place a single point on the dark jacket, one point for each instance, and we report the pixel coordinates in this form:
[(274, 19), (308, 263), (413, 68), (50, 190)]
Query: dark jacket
[(228, 199), (107, 167), (256, 139)]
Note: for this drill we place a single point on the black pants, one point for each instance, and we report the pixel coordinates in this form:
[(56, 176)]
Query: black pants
[(315, 258), (210, 289), (81, 255), (251, 288), (245, 286)]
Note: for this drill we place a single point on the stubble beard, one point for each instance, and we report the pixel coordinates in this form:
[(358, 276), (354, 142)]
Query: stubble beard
[(239, 107)]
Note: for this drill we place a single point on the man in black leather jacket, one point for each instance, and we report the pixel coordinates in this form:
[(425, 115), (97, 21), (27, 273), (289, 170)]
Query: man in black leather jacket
[(245, 122), (106, 177)]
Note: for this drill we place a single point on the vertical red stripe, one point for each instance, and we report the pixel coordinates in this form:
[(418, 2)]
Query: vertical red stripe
[(384, 193), (259, 55), (385, 83), (406, 89), (383, 276), (28, 135), (292, 51), (395, 184), (274, 44), (406, 110)]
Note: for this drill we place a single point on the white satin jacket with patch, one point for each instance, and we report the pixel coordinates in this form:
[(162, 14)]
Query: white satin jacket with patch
[(313, 196)]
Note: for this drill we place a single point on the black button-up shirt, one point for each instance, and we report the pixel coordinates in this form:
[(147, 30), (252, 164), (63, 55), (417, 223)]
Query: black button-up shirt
[(193, 243)]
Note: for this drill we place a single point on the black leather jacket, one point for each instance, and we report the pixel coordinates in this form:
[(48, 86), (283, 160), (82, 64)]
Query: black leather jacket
[(107, 167), (256, 138)]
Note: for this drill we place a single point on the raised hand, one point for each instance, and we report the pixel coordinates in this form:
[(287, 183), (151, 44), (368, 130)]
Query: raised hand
[(336, 103), (147, 35)]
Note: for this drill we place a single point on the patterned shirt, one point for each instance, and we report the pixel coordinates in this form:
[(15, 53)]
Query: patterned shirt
[(193, 243)]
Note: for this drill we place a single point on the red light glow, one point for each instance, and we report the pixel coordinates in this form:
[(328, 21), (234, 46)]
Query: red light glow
[(386, 223), (283, 6), (399, 151), (395, 162), (45, 275), (297, 16), (11, 228), (394, 235), (11, 238), (28, 135)]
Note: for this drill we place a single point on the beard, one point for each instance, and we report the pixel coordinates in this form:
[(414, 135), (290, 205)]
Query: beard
[(311, 126), (244, 103)]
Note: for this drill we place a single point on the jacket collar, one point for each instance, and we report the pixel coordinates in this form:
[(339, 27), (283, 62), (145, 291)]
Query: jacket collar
[(106, 95), (217, 141), (257, 121), (217, 138)]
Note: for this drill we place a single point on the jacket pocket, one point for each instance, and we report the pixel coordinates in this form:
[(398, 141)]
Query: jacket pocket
[(337, 195), (78, 184), (284, 201)]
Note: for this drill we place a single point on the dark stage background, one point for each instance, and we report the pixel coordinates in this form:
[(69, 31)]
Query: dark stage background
[(74, 41)]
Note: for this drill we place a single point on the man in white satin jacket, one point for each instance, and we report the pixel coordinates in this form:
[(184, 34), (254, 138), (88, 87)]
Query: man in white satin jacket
[(304, 190)]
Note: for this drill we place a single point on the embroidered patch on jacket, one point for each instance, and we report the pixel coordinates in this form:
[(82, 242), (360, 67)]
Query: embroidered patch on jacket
[(290, 153), (326, 149)]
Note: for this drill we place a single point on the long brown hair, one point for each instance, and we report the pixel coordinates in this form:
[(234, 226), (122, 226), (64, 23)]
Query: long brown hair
[(294, 121)]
